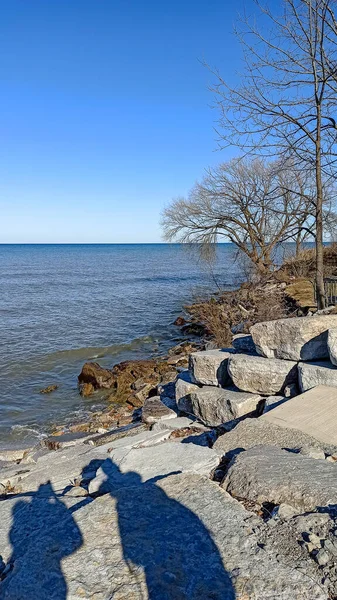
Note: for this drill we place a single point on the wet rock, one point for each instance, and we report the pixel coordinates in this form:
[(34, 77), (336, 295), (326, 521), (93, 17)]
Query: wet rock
[(244, 343), (155, 410), (179, 322), (86, 389), (95, 374), (215, 406), (259, 375), (125, 374), (269, 474), (316, 373), (300, 338), (49, 389), (209, 367)]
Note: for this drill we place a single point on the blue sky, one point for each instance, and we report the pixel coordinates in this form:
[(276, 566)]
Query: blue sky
[(105, 113)]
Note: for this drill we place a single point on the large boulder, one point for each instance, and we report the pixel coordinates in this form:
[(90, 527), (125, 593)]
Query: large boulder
[(209, 367), (183, 388), (92, 373), (317, 373), (332, 345), (301, 338), (268, 376), (243, 342), (216, 406), (253, 432), (269, 474)]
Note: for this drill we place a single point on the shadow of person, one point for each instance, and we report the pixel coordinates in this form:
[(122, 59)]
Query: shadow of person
[(165, 540), (43, 533)]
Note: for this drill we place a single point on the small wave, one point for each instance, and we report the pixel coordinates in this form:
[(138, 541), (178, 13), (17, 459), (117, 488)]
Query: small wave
[(24, 431), (94, 352)]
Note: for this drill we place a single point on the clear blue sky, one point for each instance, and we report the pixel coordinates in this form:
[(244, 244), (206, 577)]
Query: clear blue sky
[(105, 113)]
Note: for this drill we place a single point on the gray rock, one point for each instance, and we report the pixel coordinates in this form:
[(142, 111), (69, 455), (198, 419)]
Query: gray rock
[(178, 423), (284, 512), (183, 387), (168, 458), (322, 557), (332, 345), (312, 374), (272, 402), (243, 342), (269, 474), (155, 410), (312, 452), (181, 538), (215, 406), (253, 432), (301, 338), (291, 390), (259, 375), (209, 367)]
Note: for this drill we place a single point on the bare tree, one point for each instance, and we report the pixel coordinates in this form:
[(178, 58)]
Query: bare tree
[(287, 100), (254, 204)]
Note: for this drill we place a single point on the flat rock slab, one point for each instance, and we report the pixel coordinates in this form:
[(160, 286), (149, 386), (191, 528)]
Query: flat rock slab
[(313, 413), (316, 373), (253, 432), (183, 538), (178, 423), (267, 376), (155, 410), (215, 406), (301, 338), (269, 474), (210, 367), (167, 459)]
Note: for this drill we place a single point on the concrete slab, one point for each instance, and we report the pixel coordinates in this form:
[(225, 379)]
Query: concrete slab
[(314, 412)]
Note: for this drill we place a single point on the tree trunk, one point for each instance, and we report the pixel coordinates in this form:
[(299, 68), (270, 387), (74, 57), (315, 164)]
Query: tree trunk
[(319, 224)]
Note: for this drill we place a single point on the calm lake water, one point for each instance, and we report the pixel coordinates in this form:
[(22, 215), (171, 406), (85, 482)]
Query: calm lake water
[(61, 305)]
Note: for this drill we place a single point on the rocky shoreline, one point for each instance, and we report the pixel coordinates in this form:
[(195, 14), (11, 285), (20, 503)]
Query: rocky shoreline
[(215, 477)]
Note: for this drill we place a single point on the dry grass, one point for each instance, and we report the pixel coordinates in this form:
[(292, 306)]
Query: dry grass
[(240, 309), (303, 265)]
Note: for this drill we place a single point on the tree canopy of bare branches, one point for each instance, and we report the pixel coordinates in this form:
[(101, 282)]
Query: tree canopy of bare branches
[(286, 103), (254, 204)]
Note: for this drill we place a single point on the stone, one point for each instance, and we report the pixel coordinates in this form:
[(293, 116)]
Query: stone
[(313, 374), (95, 374), (183, 387), (243, 342), (49, 389), (299, 338), (253, 432), (313, 452), (155, 410), (215, 406), (178, 423), (291, 390), (322, 557), (332, 345), (168, 458), (270, 474), (266, 376), (284, 512), (181, 538), (314, 413), (209, 367), (86, 389), (272, 402)]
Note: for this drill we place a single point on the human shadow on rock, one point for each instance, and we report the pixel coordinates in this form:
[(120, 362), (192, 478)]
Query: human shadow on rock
[(166, 540), (43, 533)]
